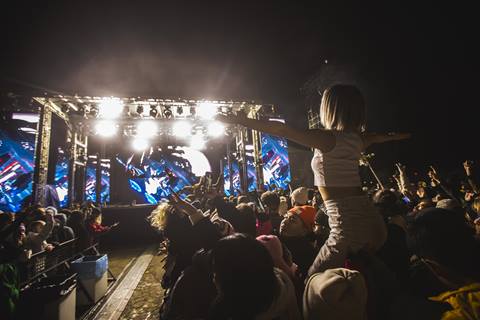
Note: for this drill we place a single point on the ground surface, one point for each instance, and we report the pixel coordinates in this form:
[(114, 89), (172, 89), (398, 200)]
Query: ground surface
[(147, 297)]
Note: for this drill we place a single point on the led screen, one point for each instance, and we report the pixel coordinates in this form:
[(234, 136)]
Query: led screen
[(17, 145), (235, 179), (153, 176), (61, 178), (91, 181), (276, 166)]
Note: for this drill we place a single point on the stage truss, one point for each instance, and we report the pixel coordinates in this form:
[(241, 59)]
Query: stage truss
[(81, 114)]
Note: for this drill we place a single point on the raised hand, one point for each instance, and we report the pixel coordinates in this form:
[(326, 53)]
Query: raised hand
[(181, 205), (433, 175), (468, 166)]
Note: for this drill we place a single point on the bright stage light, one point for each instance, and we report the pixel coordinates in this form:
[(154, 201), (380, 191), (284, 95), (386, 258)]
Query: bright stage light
[(197, 142), (197, 159), (110, 108), (206, 110), (181, 129), (140, 144), (216, 129), (105, 128), (146, 129)]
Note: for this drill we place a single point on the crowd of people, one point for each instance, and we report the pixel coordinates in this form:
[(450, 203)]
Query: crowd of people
[(36, 230), (338, 251), (227, 258)]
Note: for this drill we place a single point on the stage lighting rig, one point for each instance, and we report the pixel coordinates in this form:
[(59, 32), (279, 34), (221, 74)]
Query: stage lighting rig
[(167, 112), (106, 128), (182, 129), (110, 108), (207, 110), (153, 111), (140, 144), (179, 110), (216, 129), (197, 142), (146, 129), (140, 109)]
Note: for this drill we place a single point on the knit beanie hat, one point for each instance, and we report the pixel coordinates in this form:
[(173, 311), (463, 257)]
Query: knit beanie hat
[(449, 204), (299, 196), (274, 247), (337, 294), (52, 210)]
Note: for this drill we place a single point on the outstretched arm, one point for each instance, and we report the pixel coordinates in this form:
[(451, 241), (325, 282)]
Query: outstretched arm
[(373, 138), (319, 139)]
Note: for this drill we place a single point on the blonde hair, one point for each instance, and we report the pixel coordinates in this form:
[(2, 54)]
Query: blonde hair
[(158, 217), (343, 109), (476, 205)]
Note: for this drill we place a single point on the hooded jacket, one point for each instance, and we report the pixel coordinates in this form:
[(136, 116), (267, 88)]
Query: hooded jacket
[(465, 302), (285, 306)]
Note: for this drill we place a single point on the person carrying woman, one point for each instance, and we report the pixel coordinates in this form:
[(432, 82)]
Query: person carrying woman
[(355, 224)]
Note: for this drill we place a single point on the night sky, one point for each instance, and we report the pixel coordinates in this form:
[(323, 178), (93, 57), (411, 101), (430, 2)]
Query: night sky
[(413, 62)]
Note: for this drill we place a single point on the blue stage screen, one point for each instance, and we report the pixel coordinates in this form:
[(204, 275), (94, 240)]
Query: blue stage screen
[(91, 182), (153, 177), (61, 178), (235, 179), (251, 174), (17, 145), (276, 165)]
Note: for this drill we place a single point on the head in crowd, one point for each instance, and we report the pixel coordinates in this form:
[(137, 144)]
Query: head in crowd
[(389, 203), (446, 244), (450, 204), (424, 204), (246, 219), (336, 294), (476, 205), (36, 226), (281, 259), (39, 213), (299, 196), (51, 210), (77, 218), (283, 206), (244, 277), (96, 215), (242, 199), (159, 217), (343, 109), (271, 201), (61, 218), (294, 226)]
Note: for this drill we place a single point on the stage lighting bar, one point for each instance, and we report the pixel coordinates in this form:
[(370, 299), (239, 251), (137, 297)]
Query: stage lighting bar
[(153, 111), (216, 129), (106, 128), (146, 129), (206, 110), (140, 109), (182, 129), (140, 144), (197, 142), (110, 108)]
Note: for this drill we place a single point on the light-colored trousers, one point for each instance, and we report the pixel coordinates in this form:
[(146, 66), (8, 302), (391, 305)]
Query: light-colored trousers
[(355, 224)]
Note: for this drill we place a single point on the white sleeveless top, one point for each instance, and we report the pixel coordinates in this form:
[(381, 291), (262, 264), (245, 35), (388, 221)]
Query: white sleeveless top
[(339, 166)]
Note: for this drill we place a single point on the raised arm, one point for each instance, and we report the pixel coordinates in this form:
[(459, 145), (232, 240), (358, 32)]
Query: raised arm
[(373, 138), (319, 139)]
